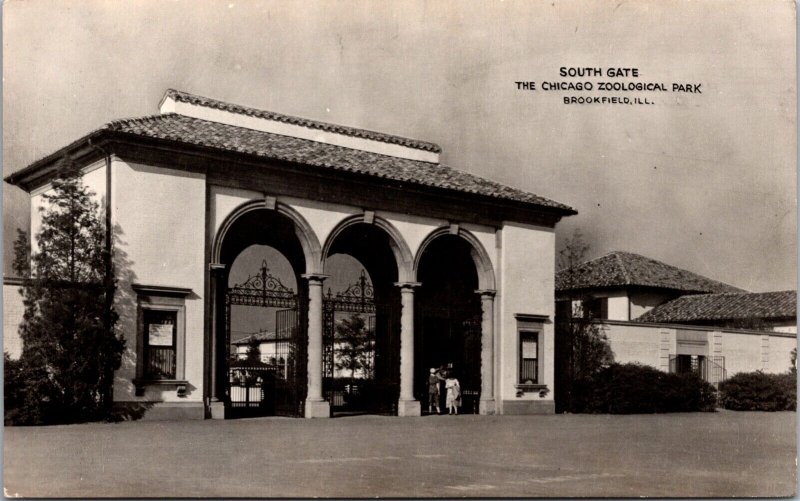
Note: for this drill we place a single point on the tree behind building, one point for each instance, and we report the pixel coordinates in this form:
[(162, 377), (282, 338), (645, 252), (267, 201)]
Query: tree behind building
[(581, 346), (354, 346)]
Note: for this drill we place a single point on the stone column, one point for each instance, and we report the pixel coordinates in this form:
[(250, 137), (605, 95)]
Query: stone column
[(407, 405), (487, 403), (316, 406)]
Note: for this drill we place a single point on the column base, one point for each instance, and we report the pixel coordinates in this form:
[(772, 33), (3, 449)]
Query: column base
[(409, 408), (317, 409), (217, 410), (487, 408)]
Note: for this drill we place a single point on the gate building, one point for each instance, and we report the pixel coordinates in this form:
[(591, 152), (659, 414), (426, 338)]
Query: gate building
[(270, 264)]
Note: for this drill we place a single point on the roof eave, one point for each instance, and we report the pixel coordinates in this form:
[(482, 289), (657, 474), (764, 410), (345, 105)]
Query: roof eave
[(28, 177), (31, 176)]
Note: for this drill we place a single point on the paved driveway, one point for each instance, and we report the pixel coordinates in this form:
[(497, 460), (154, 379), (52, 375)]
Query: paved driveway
[(721, 454)]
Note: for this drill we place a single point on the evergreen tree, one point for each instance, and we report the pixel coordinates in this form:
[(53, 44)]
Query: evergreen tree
[(70, 347), (354, 346), (254, 350), (581, 345)]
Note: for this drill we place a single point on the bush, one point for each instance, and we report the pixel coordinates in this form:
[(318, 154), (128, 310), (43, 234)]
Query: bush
[(13, 387), (639, 389), (756, 391)]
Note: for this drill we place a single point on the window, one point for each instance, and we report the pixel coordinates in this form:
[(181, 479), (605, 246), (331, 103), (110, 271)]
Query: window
[(530, 353), (160, 361), (528, 357), (597, 308), (161, 337)]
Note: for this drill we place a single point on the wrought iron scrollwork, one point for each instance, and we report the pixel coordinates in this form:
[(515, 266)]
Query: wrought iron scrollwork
[(262, 289), (358, 297)]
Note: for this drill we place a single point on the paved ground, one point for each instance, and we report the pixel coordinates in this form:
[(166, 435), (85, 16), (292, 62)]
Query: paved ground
[(719, 455)]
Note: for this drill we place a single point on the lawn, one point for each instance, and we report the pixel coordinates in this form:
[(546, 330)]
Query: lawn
[(677, 455)]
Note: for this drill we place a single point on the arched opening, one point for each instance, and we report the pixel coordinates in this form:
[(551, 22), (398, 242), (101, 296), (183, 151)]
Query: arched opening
[(448, 318), (361, 321), (261, 300)]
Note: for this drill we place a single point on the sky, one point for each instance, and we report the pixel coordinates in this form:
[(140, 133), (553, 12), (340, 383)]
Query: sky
[(706, 182)]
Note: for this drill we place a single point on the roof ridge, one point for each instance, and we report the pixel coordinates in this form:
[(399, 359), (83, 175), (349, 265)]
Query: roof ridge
[(624, 268), (589, 261), (188, 97), (684, 270), (113, 124), (625, 272)]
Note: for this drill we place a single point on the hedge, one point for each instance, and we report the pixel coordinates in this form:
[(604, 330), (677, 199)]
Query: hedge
[(640, 389), (757, 391)]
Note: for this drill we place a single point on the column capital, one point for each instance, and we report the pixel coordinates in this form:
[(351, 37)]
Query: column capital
[(216, 267), (314, 277), (486, 293), (407, 285)]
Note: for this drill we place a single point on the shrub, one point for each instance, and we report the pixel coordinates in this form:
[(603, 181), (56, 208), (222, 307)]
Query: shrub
[(13, 389), (639, 389), (756, 391)]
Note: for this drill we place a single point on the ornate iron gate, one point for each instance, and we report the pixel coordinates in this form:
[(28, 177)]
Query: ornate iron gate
[(711, 369), (471, 372), (371, 386), (275, 384)]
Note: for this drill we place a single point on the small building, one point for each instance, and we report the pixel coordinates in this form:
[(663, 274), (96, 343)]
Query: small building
[(269, 352), (678, 321), (458, 269)]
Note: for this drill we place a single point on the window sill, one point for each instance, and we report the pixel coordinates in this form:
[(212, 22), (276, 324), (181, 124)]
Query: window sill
[(522, 389), (530, 387), (141, 383)]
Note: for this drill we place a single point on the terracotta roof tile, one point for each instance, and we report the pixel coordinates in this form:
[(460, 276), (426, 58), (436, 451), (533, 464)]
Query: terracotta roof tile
[(312, 124), (188, 130), (730, 306), (258, 336), (619, 269)]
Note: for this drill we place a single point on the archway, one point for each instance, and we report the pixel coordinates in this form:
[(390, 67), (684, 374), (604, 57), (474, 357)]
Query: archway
[(361, 320), (261, 305), (449, 315)]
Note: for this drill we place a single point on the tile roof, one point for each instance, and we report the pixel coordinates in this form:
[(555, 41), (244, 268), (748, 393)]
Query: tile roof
[(195, 131), (185, 97), (730, 306), (628, 269), (258, 336)]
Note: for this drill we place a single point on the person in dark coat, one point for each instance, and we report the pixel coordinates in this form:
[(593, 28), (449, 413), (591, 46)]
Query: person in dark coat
[(433, 391)]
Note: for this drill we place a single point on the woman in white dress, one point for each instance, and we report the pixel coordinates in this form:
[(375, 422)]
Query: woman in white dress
[(453, 393)]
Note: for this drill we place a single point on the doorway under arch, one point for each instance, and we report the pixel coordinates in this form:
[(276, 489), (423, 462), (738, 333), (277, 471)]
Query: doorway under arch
[(448, 318), (262, 300), (361, 321)]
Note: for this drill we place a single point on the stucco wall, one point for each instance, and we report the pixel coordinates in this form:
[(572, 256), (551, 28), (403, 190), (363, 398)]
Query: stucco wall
[(159, 240), (744, 351), (785, 327), (527, 286), (780, 353), (642, 302), (635, 343), (13, 309), (618, 305), (223, 201)]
